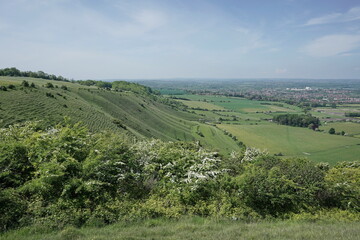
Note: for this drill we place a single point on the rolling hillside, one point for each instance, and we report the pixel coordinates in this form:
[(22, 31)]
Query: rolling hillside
[(143, 115)]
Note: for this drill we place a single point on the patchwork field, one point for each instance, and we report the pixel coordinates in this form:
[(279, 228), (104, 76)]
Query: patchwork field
[(250, 122)]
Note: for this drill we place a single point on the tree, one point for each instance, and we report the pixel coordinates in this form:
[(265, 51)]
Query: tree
[(332, 130)]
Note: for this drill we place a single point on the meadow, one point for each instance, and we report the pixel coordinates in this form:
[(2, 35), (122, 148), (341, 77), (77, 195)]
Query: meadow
[(295, 141)]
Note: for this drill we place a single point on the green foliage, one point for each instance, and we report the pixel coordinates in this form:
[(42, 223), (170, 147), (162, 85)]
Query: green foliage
[(66, 175), (25, 83), (343, 186), (63, 87), (352, 114), (14, 72), (49, 85), (276, 186), (11, 86), (297, 120), (332, 130)]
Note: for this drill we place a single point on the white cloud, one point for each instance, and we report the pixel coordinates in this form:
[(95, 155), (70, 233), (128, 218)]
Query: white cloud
[(281, 70), (274, 49), (351, 15), (332, 45), (249, 40)]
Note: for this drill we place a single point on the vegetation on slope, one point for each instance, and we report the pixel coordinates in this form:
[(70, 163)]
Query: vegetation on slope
[(14, 72), (128, 107), (66, 175)]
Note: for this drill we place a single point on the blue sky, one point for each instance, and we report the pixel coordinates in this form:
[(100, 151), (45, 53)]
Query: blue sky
[(108, 39)]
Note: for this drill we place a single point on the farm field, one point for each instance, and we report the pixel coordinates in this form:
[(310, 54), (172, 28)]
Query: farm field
[(197, 228), (243, 105), (199, 104), (295, 141), (349, 128), (249, 121)]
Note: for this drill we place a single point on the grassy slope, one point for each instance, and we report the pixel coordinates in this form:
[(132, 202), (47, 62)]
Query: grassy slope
[(198, 228), (142, 115)]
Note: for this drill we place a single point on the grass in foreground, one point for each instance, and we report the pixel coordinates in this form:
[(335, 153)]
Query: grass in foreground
[(197, 228)]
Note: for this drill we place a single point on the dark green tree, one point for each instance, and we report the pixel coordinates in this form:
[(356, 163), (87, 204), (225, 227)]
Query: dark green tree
[(332, 130)]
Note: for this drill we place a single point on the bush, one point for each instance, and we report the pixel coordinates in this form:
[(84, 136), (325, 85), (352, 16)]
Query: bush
[(11, 86), (332, 130), (49, 85), (25, 83), (66, 175)]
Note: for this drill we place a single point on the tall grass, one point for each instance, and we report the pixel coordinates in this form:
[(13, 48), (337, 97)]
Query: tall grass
[(196, 228)]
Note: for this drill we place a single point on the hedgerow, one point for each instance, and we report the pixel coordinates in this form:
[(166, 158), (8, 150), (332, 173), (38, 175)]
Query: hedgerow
[(66, 175)]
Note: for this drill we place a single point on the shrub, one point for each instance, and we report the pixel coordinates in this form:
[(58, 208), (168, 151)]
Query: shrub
[(25, 83), (11, 86), (49, 85)]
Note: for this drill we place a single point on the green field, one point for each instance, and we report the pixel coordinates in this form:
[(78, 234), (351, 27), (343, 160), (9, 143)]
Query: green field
[(295, 141), (197, 228), (248, 121), (203, 105), (349, 128), (243, 105)]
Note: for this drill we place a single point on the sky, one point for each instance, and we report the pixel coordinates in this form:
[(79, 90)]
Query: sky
[(161, 39)]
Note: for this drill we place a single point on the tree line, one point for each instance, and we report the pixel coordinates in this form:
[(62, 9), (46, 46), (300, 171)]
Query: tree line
[(14, 72), (119, 86), (352, 114), (297, 120)]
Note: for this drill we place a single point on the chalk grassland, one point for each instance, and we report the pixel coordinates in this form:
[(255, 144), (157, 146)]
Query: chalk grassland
[(97, 108), (212, 136), (197, 228), (294, 141), (142, 115)]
